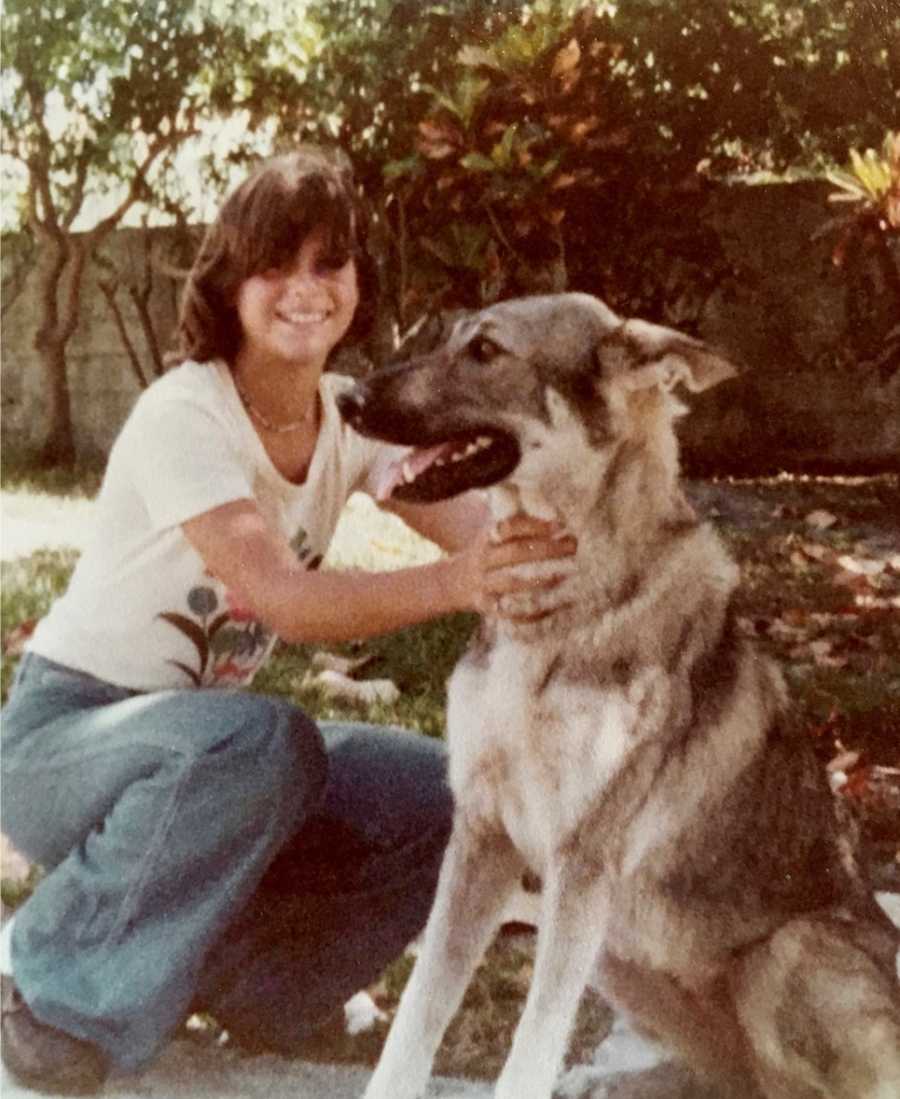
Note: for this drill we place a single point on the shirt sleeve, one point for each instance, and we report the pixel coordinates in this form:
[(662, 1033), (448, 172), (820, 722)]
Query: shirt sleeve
[(184, 461)]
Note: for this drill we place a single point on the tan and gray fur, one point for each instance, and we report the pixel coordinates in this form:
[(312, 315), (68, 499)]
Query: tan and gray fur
[(628, 746)]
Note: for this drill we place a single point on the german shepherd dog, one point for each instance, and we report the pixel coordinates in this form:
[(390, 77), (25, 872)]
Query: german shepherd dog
[(624, 743)]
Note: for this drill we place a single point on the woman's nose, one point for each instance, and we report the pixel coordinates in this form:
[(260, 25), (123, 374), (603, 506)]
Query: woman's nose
[(301, 272), (304, 279)]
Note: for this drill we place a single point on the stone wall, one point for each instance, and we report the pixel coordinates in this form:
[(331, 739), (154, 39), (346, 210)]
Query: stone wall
[(102, 382), (784, 321)]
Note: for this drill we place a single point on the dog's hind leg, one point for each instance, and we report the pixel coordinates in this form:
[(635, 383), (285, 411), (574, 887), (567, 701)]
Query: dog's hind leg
[(573, 916), (479, 874), (698, 1025), (821, 1016)]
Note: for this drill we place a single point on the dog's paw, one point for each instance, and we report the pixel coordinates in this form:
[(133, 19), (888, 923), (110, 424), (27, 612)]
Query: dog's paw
[(629, 1065), (626, 1049), (623, 1057)]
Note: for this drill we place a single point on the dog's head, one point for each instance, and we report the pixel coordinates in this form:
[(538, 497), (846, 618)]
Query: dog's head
[(514, 383)]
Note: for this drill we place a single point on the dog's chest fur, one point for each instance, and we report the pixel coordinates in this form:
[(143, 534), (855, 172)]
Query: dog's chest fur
[(530, 752)]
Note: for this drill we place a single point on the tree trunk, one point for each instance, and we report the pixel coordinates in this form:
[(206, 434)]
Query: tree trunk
[(60, 277), (58, 448)]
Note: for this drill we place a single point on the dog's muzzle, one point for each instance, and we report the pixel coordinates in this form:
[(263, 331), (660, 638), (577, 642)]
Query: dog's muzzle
[(440, 464)]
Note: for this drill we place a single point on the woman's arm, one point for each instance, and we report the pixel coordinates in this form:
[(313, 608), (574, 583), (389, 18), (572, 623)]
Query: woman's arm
[(451, 524), (259, 566)]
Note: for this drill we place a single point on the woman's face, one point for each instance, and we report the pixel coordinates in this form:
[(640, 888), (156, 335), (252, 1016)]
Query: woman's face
[(294, 315)]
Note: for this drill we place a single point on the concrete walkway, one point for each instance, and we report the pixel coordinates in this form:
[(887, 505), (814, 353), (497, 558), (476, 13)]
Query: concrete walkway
[(188, 1070), (32, 521)]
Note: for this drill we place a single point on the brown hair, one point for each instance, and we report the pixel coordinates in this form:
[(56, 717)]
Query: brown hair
[(261, 225)]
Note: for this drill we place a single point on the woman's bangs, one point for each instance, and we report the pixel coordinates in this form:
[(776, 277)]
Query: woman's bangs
[(286, 218)]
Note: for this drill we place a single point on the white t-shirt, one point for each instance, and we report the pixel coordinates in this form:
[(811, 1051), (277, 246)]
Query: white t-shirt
[(141, 610)]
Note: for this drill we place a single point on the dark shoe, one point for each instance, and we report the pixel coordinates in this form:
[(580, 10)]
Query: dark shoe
[(42, 1057)]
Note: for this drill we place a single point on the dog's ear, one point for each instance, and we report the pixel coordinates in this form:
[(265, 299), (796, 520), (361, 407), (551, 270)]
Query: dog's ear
[(640, 355)]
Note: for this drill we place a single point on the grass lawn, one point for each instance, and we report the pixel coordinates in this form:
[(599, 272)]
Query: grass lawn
[(821, 566)]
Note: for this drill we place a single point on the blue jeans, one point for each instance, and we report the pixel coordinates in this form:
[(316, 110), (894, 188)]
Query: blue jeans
[(209, 849)]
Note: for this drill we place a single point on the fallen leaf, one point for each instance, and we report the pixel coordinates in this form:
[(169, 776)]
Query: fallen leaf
[(823, 619), (17, 638), (566, 59), (857, 784), (862, 566), (816, 551), (820, 519), (747, 627), (844, 761), (782, 631), (366, 691), (857, 582), (820, 648), (345, 665), (869, 602), (832, 661), (361, 1013)]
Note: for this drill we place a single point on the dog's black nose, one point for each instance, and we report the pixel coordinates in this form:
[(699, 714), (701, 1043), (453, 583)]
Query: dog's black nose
[(351, 403)]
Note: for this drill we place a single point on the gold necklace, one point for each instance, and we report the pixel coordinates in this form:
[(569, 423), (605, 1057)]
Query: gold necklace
[(265, 422)]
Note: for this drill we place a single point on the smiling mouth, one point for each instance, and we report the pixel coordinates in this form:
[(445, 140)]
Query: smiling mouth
[(300, 318), (425, 475)]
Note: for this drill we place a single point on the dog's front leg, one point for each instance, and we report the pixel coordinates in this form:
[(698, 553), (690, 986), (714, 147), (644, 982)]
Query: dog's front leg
[(573, 920), (478, 876)]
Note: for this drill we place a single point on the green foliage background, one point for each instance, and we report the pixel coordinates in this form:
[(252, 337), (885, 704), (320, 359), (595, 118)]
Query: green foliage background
[(503, 147)]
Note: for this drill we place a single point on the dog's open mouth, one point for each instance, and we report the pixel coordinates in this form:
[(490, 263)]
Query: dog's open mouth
[(428, 474)]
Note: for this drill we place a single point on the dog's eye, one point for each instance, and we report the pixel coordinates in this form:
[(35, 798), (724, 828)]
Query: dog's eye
[(483, 349)]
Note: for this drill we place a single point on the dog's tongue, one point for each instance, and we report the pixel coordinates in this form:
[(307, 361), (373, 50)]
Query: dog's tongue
[(407, 467)]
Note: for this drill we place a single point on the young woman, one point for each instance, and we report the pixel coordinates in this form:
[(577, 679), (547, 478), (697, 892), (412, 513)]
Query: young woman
[(207, 847)]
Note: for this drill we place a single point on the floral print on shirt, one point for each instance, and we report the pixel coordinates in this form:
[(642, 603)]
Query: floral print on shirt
[(231, 644)]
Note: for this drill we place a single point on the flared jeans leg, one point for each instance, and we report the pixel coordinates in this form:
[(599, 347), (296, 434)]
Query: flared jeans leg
[(344, 896), (156, 817)]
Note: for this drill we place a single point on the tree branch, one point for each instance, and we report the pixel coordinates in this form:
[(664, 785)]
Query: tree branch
[(77, 201), (104, 227), (38, 164), (108, 287)]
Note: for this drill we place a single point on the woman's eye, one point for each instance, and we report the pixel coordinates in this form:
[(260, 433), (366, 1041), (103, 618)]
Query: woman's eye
[(333, 261), (483, 349)]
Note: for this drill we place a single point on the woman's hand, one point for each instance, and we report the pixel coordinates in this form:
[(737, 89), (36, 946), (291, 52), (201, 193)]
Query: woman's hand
[(491, 573)]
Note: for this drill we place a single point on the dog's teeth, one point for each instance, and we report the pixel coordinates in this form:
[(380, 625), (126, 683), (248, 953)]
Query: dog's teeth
[(408, 475), (481, 443)]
